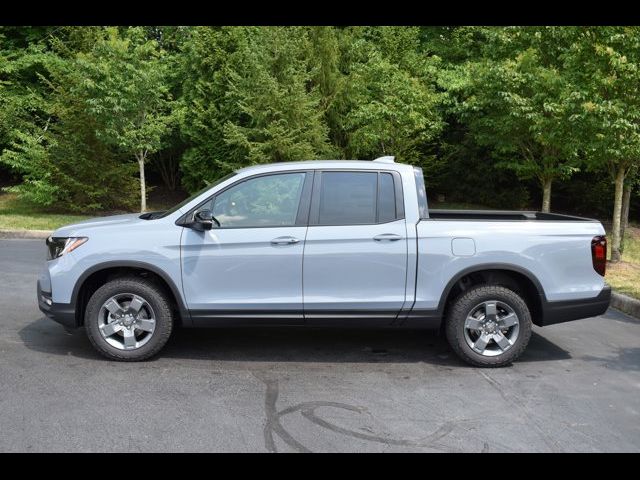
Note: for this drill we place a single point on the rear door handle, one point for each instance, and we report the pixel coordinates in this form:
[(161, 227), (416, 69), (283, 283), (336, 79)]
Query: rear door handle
[(284, 241), (389, 237)]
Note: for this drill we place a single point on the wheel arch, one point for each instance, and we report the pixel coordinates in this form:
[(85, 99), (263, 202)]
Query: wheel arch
[(89, 281), (508, 275)]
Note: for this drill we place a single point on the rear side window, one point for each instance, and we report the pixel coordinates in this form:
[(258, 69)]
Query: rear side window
[(348, 198), (356, 198)]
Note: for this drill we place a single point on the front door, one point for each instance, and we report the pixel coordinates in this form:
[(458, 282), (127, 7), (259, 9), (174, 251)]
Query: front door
[(249, 269), (355, 259)]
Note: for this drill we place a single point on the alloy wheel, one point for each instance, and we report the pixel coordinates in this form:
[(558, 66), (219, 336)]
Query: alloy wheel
[(491, 328), (126, 321)]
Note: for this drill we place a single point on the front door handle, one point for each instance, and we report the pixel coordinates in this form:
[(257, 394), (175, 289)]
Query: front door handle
[(389, 237), (285, 241)]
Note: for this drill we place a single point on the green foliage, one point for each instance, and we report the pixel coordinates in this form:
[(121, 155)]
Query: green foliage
[(491, 114), (519, 106), (51, 140), (28, 155), (258, 95), (201, 110), (327, 54), (278, 114), (251, 98), (123, 81), (605, 67), (393, 104), (606, 72)]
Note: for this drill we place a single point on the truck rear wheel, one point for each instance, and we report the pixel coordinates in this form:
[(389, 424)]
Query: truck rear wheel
[(488, 326), (128, 319)]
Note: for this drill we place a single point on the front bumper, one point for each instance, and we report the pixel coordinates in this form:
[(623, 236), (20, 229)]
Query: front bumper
[(63, 313), (565, 311)]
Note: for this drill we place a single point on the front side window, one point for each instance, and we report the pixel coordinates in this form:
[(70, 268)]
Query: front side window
[(267, 201), (177, 207)]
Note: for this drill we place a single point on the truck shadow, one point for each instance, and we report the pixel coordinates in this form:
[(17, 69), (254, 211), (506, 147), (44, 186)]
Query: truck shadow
[(308, 345)]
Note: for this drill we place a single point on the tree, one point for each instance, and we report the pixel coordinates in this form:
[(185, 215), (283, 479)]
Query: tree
[(328, 48), (392, 102), (200, 110), (124, 78), (270, 82), (49, 138), (24, 116), (517, 102), (249, 97), (605, 65)]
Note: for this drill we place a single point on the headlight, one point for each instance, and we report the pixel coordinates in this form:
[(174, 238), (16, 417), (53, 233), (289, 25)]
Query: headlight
[(58, 246)]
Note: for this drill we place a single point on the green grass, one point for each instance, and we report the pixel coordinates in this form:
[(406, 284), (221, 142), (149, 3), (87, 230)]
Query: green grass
[(16, 214), (631, 251), (624, 276)]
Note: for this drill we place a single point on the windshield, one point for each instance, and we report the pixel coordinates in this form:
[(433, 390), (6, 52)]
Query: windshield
[(200, 192)]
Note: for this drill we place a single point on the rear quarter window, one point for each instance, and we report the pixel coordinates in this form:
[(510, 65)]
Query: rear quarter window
[(386, 199), (423, 208)]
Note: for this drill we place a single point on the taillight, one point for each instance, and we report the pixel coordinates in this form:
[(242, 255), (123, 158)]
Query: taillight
[(599, 253)]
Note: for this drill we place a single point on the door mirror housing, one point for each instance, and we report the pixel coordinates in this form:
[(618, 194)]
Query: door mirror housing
[(203, 220)]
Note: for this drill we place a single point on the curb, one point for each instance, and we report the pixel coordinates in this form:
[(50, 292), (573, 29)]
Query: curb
[(626, 304), (24, 233)]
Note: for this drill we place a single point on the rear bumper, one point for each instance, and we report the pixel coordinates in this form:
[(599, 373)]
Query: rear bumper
[(63, 313), (566, 311)]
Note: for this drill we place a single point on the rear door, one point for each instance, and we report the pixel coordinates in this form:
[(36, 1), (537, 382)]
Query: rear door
[(355, 258)]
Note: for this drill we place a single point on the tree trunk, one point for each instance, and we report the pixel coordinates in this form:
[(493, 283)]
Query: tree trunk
[(617, 215), (546, 195), (168, 167), (624, 222), (143, 185)]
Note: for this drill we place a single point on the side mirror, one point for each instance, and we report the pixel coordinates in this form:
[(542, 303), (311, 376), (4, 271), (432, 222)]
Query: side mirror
[(204, 220)]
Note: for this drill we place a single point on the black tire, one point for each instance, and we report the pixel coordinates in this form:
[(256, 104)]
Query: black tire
[(463, 306), (150, 292)]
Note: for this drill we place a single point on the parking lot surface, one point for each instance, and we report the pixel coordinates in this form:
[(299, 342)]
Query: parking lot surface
[(576, 388)]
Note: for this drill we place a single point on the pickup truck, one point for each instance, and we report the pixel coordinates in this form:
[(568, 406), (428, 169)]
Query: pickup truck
[(324, 243)]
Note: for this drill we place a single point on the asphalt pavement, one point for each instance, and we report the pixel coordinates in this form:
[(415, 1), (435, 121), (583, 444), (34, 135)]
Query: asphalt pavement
[(576, 388)]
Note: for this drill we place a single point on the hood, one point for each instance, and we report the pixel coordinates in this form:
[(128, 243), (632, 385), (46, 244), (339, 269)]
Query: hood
[(118, 221)]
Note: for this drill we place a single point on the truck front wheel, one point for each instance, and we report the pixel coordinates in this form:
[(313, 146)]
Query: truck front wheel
[(128, 319), (488, 326)]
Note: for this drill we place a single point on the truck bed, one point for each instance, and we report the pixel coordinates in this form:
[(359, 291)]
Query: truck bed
[(443, 214)]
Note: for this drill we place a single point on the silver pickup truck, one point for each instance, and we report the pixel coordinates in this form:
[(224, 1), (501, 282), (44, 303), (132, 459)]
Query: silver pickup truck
[(324, 243)]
